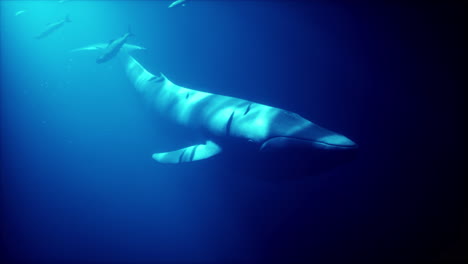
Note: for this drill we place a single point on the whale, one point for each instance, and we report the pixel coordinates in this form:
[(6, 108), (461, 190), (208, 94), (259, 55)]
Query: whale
[(113, 48), (20, 12), (256, 132), (52, 27), (177, 3), (246, 134)]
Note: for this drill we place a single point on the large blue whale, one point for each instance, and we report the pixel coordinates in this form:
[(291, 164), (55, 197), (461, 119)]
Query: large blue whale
[(227, 121), (244, 130)]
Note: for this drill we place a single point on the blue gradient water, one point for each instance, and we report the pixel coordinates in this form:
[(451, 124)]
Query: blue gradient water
[(79, 184)]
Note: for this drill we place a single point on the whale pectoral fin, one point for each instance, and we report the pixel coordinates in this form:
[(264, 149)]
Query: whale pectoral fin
[(91, 47), (189, 154), (101, 46)]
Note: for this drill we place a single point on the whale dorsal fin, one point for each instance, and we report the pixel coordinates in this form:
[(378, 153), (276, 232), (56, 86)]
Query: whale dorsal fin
[(189, 154)]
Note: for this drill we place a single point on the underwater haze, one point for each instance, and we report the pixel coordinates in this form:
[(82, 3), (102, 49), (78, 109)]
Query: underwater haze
[(79, 184)]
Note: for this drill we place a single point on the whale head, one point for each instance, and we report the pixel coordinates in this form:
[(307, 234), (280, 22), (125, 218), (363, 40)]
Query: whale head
[(295, 144), (292, 157)]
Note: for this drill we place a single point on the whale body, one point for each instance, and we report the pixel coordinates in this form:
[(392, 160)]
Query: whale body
[(228, 122)]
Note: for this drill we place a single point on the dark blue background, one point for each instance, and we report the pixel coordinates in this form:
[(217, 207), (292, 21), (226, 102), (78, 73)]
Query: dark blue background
[(79, 185)]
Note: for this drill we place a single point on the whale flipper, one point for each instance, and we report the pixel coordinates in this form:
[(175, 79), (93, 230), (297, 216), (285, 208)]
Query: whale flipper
[(189, 154), (92, 47), (102, 46)]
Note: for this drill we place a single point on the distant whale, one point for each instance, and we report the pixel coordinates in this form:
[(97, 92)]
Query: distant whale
[(113, 47), (176, 3), (20, 12), (231, 122), (53, 27)]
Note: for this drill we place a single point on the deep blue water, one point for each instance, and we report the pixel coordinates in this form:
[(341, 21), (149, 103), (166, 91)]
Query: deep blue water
[(79, 184)]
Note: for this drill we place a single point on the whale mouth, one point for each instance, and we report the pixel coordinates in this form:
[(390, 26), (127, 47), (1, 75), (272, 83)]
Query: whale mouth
[(330, 143), (296, 157)]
